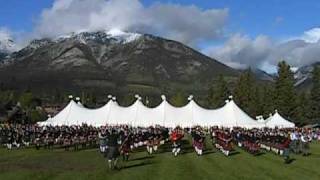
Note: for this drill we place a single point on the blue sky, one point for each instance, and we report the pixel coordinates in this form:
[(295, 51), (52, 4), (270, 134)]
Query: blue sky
[(277, 18), (252, 22)]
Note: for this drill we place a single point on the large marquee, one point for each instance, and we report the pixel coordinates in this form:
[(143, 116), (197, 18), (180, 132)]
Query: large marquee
[(165, 114)]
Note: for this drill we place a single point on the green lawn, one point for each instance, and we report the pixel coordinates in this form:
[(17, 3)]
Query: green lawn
[(90, 164)]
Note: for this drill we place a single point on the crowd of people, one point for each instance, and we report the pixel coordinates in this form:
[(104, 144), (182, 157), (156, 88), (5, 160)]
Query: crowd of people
[(114, 141), (21, 136), (279, 141)]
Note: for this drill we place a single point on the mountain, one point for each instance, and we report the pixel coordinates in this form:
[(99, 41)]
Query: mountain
[(303, 76), (111, 61), (262, 75)]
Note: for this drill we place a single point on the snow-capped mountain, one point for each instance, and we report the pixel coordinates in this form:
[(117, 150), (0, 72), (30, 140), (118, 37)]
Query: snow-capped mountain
[(303, 75), (7, 46), (114, 34), (113, 60)]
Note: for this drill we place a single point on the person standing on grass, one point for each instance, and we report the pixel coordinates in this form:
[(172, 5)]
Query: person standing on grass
[(198, 141), (125, 147), (67, 142), (37, 142), (113, 150), (9, 140), (305, 144), (176, 137), (103, 141), (149, 136), (294, 141), (286, 150)]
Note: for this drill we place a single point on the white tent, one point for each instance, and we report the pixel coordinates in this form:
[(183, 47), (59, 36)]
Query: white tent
[(233, 116), (261, 120), (77, 114), (278, 121), (165, 114)]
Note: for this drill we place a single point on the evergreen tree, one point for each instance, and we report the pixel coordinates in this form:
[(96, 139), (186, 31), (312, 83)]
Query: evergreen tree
[(303, 110), (257, 105), (179, 99), (245, 92), (222, 92), (210, 96), (218, 94), (285, 99), (26, 100), (315, 94), (267, 100)]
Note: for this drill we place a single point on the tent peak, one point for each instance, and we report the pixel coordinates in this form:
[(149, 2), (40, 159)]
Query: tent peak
[(137, 96)]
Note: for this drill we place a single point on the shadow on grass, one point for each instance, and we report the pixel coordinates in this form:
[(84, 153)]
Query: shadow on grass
[(234, 153), (185, 147), (142, 158), (137, 165), (208, 152), (259, 154), (290, 161)]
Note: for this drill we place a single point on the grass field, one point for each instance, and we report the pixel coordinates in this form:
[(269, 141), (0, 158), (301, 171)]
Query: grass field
[(90, 164)]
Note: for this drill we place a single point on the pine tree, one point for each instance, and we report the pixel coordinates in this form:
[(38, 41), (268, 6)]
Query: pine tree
[(179, 99), (245, 92), (257, 105), (26, 99), (267, 100), (218, 94), (285, 95), (210, 97), (222, 92), (303, 109), (315, 94)]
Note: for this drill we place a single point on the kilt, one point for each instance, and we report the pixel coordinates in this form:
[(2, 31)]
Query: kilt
[(112, 152)]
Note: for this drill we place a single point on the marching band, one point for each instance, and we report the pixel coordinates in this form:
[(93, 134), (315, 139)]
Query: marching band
[(114, 141)]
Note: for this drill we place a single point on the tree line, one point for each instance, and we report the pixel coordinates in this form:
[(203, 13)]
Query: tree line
[(264, 98), (253, 96)]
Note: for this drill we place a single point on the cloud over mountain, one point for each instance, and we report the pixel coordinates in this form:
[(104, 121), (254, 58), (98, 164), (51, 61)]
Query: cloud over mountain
[(6, 42), (241, 51), (186, 23)]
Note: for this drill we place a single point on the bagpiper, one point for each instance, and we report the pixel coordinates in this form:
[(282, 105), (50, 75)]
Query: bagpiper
[(176, 137)]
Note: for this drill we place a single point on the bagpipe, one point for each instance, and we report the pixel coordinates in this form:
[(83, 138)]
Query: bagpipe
[(224, 143)]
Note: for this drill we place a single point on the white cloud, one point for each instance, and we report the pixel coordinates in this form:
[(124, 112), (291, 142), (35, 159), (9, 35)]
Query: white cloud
[(312, 35), (4, 33), (240, 51), (188, 24), (6, 40)]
